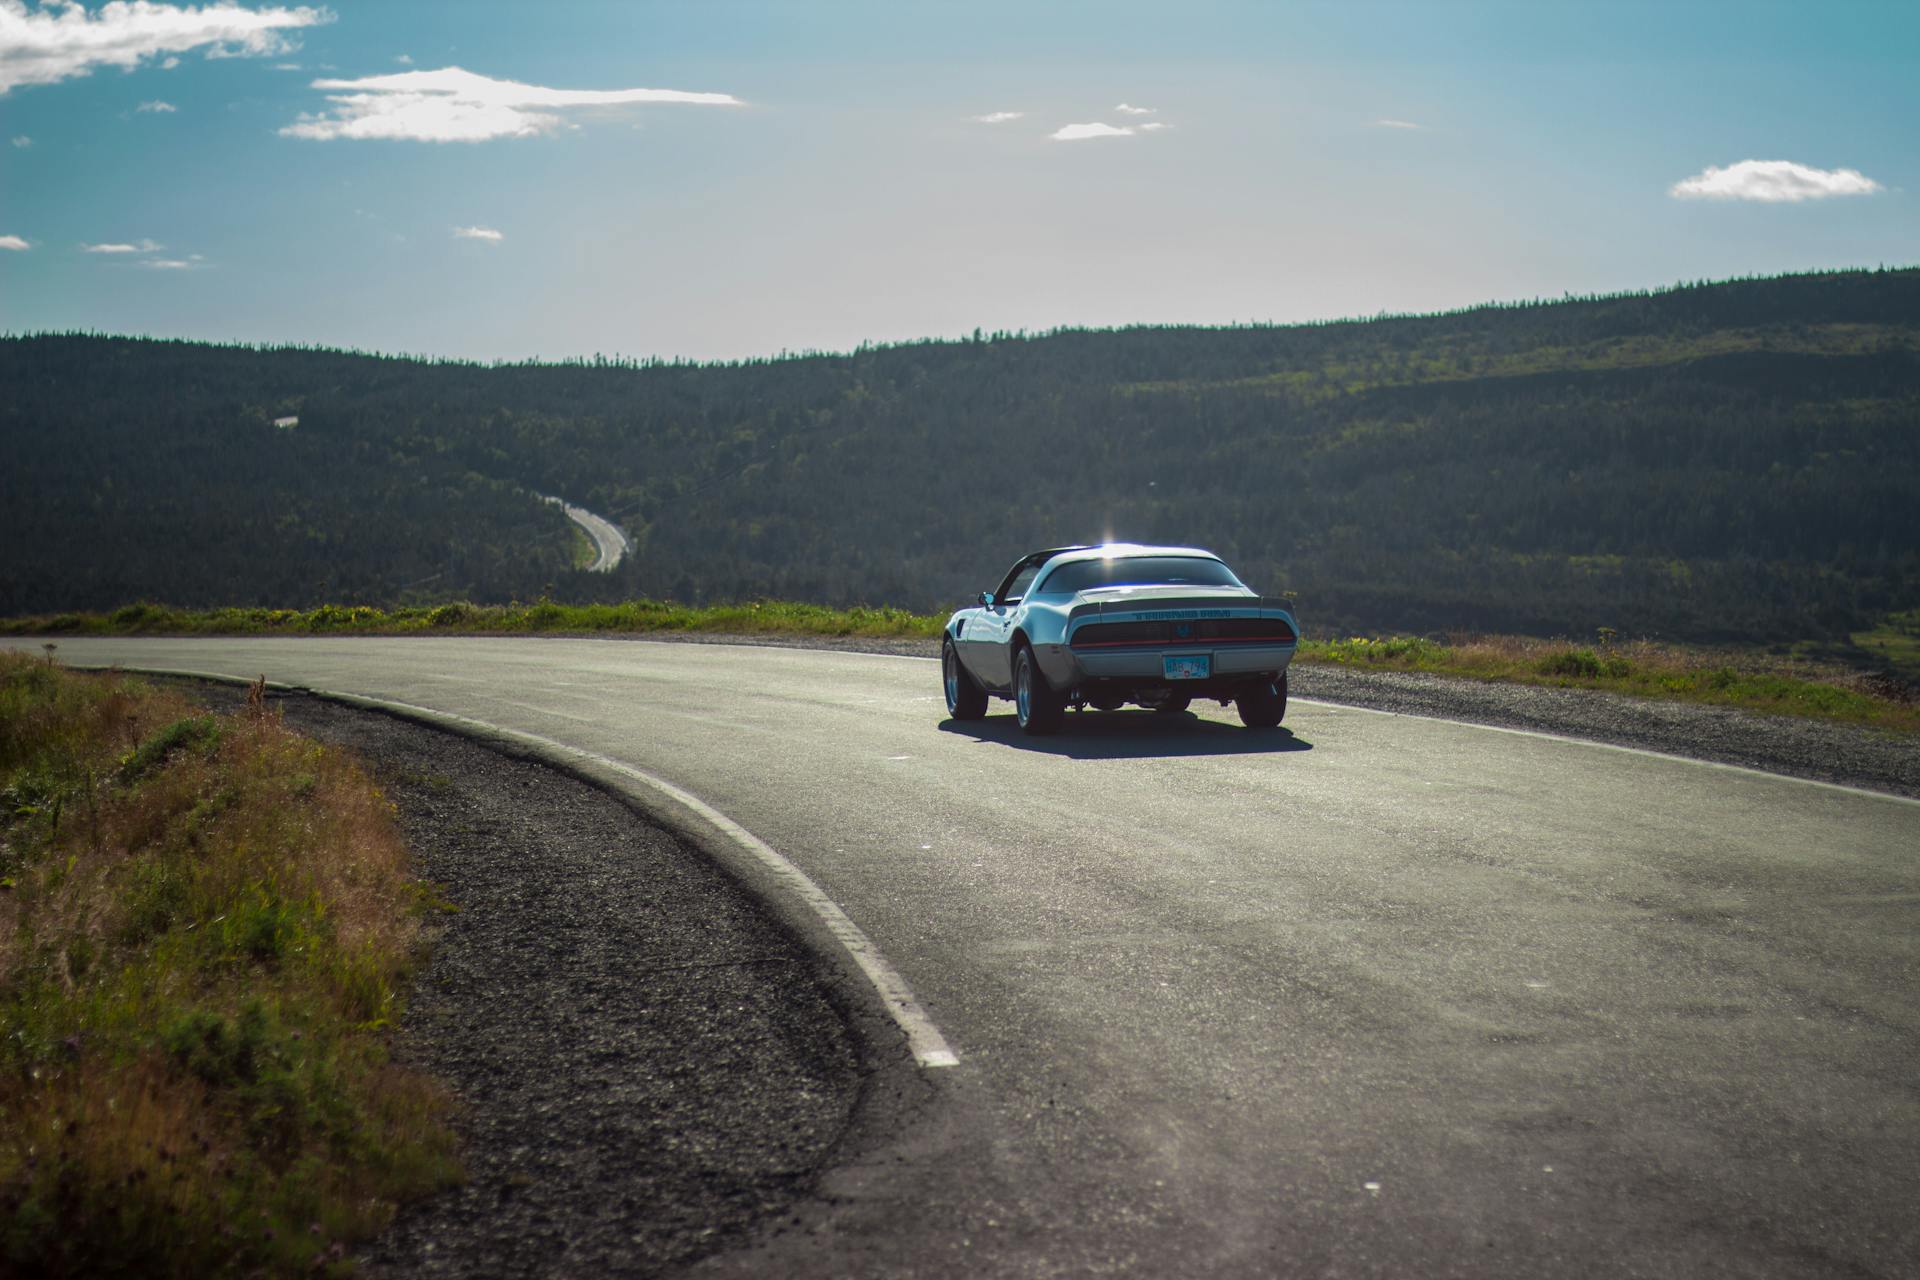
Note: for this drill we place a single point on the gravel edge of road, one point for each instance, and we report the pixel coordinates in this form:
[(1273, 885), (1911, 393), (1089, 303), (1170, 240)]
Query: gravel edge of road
[(458, 1232)]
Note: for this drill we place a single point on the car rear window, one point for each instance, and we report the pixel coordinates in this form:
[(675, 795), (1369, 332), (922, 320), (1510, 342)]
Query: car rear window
[(1139, 571)]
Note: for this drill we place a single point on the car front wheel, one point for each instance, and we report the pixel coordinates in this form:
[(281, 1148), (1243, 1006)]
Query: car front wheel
[(966, 700), (1035, 704), (1263, 705)]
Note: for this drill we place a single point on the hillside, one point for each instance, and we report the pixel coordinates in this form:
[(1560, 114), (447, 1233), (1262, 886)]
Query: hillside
[(1732, 461)]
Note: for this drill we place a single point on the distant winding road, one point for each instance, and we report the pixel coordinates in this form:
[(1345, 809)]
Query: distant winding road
[(610, 544), (1376, 996)]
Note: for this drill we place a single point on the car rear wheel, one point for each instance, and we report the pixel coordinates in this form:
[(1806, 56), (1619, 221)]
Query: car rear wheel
[(966, 700), (1263, 705), (1035, 704)]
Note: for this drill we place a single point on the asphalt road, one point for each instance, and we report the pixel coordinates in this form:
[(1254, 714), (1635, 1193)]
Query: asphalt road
[(1378, 996), (610, 545)]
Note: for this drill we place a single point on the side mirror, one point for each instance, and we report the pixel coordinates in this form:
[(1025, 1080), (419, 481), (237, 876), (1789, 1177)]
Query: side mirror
[(986, 599)]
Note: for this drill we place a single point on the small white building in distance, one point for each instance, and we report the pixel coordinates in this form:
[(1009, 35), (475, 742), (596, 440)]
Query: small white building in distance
[(286, 424)]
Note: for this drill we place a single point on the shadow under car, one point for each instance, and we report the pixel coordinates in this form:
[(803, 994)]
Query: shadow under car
[(1120, 735)]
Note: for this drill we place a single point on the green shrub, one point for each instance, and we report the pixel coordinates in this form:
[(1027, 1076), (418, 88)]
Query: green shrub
[(1398, 651), (262, 929), (158, 895), (200, 732), (1576, 663), (221, 1052)]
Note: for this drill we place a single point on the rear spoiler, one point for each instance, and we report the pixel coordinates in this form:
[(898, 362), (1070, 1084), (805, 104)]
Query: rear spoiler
[(1193, 607)]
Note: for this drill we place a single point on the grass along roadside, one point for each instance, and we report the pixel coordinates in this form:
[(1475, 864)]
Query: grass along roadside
[(1644, 669), (1745, 678), (1895, 643), (205, 925)]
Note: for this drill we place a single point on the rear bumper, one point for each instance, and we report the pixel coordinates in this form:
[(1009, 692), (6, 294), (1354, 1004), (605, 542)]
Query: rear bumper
[(1069, 669)]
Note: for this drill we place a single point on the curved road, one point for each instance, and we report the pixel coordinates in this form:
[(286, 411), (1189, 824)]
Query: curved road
[(609, 543), (1379, 996)]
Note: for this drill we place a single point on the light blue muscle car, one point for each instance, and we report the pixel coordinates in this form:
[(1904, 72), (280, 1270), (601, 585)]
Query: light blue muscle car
[(1109, 625)]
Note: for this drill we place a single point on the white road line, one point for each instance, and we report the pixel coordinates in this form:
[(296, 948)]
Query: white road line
[(1411, 715), (1414, 715), (928, 1046), (1524, 733), (1614, 746)]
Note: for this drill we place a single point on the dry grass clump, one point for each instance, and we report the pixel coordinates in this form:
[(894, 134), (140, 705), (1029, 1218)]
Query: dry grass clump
[(205, 924)]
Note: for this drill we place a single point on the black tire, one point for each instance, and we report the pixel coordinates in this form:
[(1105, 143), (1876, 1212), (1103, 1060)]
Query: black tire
[(966, 700), (1038, 708), (1263, 705), (1172, 704)]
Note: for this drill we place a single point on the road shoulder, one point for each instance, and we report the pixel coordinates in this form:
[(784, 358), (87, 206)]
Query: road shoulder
[(651, 1068)]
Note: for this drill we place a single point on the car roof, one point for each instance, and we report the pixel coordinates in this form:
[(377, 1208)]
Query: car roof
[(1120, 551)]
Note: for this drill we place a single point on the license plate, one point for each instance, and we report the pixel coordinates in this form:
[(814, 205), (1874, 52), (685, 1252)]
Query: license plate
[(1189, 666)]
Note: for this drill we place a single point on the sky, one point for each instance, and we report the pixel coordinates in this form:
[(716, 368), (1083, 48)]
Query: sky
[(727, 179)]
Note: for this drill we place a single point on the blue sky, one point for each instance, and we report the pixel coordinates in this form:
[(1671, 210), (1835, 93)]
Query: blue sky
[(487, 180)]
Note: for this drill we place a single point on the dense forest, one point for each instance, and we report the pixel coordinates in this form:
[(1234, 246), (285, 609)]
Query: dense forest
[(1729, 461)]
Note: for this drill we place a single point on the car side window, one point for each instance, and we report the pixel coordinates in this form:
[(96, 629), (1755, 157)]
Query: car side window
[(1016, 588)]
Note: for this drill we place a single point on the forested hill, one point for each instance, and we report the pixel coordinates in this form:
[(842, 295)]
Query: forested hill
[(1736, 460)]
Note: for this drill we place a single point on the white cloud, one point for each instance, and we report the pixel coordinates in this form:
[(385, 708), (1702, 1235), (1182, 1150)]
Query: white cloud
[(1772, 182), (404, 59), (1154, 126), (57, 41), (14, 243), (1081, 132), (143, 251), (452, 105), (22, 140), (169, 64), (157, 107), (997, 117), (487, 234), (286, 66), (1126, 110), (1396, 124)]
